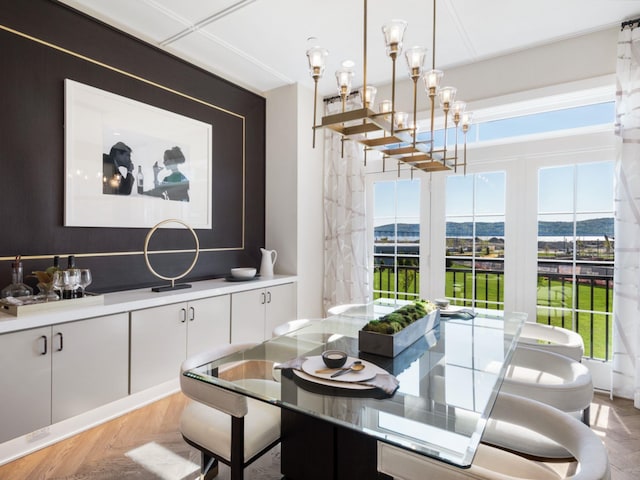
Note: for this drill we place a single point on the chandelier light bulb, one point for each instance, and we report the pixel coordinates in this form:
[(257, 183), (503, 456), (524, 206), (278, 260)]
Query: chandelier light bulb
[(384, 106), (317, 59), (415, 61), (401, 120), (446, 95), (343, 79), (467, 118), (393, 32), (367, 98), (432, 81), (458, 109)]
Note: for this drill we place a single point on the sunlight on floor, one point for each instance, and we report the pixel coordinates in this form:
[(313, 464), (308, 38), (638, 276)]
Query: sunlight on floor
[(600, 418), (162, 462)]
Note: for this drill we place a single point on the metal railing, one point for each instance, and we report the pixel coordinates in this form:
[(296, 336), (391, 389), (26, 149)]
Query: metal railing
[(588, 311), (406, 272)]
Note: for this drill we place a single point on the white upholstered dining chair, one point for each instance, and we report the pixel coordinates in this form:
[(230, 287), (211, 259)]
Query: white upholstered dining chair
[(547, 377), (225, 426), (590, 459), (553, 339), (550, 378)]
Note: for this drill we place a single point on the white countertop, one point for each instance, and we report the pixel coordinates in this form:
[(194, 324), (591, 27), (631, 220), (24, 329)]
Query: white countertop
[(130, 300)]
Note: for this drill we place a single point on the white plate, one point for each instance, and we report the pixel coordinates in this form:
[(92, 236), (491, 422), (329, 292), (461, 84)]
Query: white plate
[(331, 383), (456, 310), (367, 373)]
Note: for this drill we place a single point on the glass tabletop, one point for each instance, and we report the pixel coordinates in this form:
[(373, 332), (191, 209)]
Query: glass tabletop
[(448, 379)]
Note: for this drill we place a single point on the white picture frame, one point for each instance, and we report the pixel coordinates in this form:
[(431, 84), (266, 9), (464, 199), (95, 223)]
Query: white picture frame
[(173, 152)]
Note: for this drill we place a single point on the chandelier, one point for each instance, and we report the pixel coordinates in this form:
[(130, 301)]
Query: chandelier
[(387, 130)]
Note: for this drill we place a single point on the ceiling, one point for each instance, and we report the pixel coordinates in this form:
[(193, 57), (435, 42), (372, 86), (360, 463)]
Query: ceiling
[(261, 44)]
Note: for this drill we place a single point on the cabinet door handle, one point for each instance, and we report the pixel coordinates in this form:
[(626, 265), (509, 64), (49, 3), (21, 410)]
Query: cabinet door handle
[(59, 334), (192, 311), (264, 298), (184, 315), (44, 352), (268, 297)]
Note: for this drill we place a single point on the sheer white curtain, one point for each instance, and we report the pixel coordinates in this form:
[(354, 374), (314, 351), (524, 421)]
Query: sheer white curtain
[(346, 278), (626, 337)]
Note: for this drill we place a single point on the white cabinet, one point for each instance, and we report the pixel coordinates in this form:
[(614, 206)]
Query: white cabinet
[(90, 365), (52, 373), (208, 323), (25, 382), (74, 360), (255, 313), (162, 337)]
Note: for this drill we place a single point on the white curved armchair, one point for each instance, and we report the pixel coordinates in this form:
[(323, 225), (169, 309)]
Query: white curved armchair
[(226, 426), (550, 378), (492, 463), (553, 339)]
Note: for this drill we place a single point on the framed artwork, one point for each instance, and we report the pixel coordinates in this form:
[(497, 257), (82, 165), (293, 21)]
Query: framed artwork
[(129, 164)]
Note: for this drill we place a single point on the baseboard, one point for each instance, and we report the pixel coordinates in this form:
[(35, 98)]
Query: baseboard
[(26, 444)]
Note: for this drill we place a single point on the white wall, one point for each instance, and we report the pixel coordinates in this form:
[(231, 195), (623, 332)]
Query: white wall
[(281, 177), (294, 192), (310, 210)]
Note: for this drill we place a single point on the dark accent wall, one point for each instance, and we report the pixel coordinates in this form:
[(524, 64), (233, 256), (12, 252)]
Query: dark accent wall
[(34, 35)]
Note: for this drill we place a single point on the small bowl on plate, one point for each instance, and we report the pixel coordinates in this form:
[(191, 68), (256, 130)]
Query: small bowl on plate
[(334, 358), (245, 273), (442, 303)]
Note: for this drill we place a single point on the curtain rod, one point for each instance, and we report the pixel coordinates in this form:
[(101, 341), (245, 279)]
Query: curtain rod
[(630, 23)]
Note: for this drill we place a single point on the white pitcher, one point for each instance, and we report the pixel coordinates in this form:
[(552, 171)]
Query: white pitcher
[(268, 261)]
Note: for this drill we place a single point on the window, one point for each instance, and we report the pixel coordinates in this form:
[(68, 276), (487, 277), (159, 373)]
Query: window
[(396, 239), (594, 114), (575, 252), (527, 229), (475, 213), (546, 122)]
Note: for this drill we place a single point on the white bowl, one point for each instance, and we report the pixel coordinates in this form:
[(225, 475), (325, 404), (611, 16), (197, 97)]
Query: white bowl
[(246, 272), (441, 303)]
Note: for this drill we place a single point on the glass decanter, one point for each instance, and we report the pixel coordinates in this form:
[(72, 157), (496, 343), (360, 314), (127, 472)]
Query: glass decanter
[(17, 288)]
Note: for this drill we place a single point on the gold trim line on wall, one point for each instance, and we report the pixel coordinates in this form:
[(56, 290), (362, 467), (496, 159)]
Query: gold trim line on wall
[(161, 87)]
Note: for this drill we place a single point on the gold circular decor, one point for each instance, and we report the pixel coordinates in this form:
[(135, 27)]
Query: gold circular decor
[(177, 277)]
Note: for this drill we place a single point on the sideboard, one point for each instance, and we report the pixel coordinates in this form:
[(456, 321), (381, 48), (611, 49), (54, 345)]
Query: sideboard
[(76, 365)]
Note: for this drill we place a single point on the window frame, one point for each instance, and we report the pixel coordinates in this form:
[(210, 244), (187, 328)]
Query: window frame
[(388, 176)]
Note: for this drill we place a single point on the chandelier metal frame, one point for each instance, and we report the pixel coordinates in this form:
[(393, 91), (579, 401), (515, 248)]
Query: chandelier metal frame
[(387, 130)]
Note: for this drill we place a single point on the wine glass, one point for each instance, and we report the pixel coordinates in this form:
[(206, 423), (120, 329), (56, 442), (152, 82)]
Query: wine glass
[(84, 279), (60, 280), (74, 282)]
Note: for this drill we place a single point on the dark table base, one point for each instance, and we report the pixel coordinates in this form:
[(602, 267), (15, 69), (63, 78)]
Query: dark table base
[(313, 449)]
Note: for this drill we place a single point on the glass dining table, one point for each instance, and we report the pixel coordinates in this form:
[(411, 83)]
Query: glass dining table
[(447, 382)]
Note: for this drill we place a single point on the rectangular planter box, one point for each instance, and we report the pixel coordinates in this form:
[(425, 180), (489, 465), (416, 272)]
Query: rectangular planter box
[(403, 360), (392, 345)]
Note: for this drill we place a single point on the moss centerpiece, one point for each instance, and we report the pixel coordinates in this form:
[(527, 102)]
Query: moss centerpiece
[(395, 331)]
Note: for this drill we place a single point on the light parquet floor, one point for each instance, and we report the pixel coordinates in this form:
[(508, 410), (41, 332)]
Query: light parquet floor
[(146, 445)]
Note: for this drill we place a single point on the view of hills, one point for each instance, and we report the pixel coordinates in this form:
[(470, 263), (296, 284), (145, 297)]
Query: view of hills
[(596, 227)]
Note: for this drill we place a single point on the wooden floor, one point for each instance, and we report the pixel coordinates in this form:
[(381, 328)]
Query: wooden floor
[(146, 444)]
